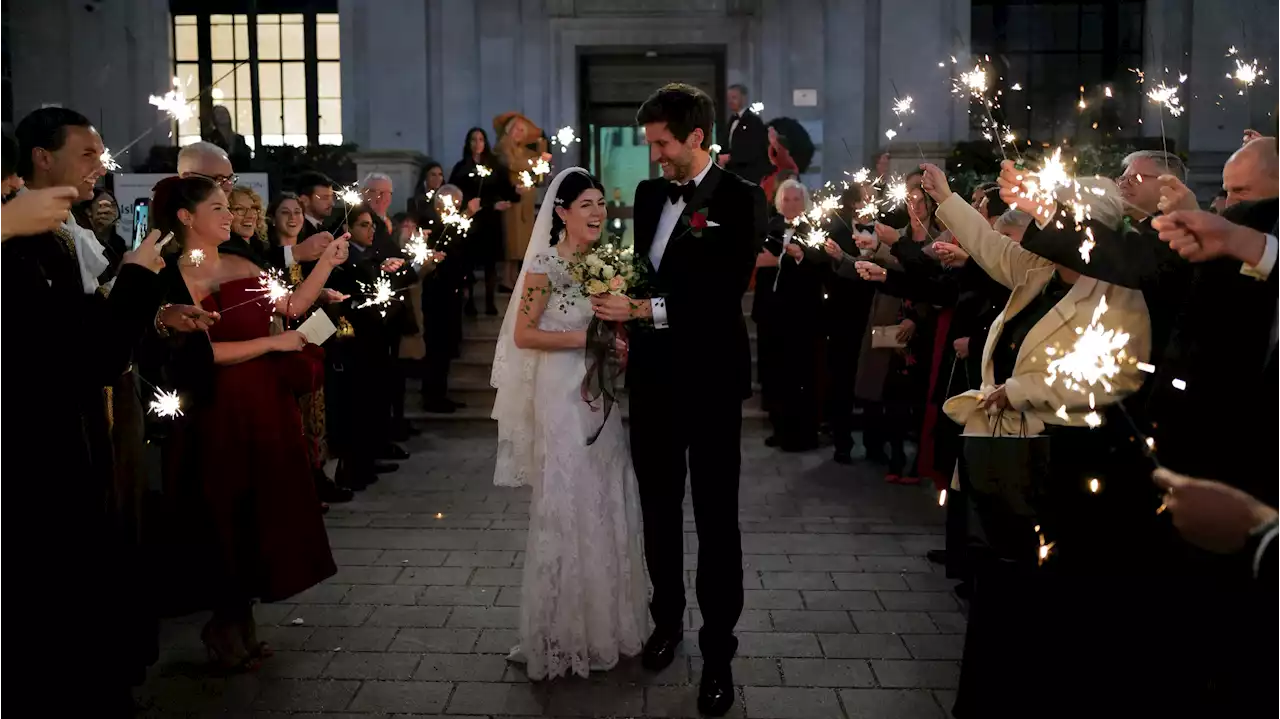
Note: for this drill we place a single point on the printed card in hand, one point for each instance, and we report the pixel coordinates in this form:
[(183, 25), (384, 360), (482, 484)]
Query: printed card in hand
[(317, 328)]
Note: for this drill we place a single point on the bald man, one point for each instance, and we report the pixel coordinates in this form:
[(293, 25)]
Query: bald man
[(207, 160), (1251, 173)]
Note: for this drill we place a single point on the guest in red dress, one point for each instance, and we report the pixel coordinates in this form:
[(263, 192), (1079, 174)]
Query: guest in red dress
[(782, 162), (239, 456)]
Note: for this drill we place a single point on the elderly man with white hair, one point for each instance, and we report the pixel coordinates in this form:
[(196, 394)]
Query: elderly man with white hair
[(207, 160)]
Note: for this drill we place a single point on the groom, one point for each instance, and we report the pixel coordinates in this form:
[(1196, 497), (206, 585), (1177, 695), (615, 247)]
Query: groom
[(701, 228)]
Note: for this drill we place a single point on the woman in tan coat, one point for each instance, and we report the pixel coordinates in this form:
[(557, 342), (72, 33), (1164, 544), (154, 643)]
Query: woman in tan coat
[(520, 145), (1068, 612)]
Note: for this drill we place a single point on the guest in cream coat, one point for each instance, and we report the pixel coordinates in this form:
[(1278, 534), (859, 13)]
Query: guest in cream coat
[(1069, 608)]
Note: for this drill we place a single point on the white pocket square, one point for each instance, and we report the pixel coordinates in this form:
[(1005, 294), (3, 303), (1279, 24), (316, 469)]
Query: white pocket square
[(712, 224)]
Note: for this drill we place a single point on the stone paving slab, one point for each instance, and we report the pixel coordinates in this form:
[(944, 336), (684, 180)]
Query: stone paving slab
[(844, 617)]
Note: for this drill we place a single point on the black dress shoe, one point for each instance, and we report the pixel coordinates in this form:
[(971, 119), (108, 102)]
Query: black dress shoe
[(333, 494), (352, 480), (384, 467), (439, 406), (393, 451), (937, 556), (715, 695), (660, 650)]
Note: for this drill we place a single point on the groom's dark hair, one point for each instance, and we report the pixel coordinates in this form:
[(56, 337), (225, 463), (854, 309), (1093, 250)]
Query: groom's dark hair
[(684, 108)]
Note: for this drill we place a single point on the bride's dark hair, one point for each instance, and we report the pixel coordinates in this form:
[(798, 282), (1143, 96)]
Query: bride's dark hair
[(571, 188)]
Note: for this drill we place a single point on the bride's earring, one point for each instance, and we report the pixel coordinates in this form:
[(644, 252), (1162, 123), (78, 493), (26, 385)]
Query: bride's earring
[(560, 237)]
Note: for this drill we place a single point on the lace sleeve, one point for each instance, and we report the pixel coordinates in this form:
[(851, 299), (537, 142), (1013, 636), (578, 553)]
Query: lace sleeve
[(542, 264)]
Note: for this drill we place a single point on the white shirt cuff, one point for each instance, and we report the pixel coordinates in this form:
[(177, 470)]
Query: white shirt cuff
[(288, 256), (1265, 542), (1042, 220), (659, 306), (1262, 270)]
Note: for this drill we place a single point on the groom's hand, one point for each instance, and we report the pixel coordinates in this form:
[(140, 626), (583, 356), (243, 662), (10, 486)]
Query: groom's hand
[(620, 308)]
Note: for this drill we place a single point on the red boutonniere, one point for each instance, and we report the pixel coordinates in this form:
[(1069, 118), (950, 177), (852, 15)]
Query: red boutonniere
[(697, 222)]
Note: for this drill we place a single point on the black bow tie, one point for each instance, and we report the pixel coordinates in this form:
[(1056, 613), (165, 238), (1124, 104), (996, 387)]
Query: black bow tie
[(734, 116), (676, 192)]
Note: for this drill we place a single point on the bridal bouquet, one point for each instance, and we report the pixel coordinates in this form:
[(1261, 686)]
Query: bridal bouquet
[(605, 269)]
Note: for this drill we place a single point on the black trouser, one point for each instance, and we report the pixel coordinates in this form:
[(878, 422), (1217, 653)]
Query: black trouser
[(663, 428), (357, 406), (795, 410), (441, 331), (842, 371), (396, 382)]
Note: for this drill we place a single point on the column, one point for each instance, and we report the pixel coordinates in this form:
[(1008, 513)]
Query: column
[(386, 94), (103, 63), (847, 41), (914, 37)]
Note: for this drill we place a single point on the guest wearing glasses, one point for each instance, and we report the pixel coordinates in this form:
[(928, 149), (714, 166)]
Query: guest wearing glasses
[(207, 160), (248, 224)]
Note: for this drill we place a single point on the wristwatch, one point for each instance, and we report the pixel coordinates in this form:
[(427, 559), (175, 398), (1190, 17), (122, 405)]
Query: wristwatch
[(161, 328)]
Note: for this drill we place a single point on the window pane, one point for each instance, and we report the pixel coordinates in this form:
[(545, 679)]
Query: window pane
[(188, 75), (292, 45), (224, 80), (295, 19), (295, 80), (244, 82), (327, 42), (295, 117), (330, 117), (271, 124), (189, 127), (184, 19), (269, 80), (328, 79), (242, 41), (220, 19), (186, 42), (268, 41), (244, 117), (223, 42)]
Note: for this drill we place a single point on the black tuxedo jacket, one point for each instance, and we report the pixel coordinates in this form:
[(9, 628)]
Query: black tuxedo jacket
[(749, 148), (704, 349)]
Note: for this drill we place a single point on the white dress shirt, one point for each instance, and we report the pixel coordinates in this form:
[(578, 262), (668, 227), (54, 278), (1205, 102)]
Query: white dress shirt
[(666, 226), (1262, 270), (733, 127)]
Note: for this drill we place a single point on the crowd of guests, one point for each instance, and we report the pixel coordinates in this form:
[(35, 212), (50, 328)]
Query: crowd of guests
[(1116, 541), (213, 498)]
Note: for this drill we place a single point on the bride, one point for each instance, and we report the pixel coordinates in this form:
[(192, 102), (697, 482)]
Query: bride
[(583, 595)]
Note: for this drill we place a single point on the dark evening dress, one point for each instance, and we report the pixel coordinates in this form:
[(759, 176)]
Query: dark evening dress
[(267, 537)]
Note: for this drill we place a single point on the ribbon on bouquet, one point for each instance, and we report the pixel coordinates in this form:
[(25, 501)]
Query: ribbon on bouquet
[(604, 369)]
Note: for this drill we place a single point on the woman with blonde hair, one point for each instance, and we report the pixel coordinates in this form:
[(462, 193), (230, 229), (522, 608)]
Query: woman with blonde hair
[(248, 223), (520, 145)]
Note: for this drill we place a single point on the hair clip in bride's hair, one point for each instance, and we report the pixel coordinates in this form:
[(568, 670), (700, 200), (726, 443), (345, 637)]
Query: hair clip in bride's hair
[(559, 200)]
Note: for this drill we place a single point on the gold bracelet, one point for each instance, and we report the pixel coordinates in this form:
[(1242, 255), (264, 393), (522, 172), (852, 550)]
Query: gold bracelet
[(161, 329)]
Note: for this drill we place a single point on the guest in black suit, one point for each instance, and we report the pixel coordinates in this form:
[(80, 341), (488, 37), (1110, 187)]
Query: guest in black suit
[(701, 229), (317, 193), (747, 153), (359, 403), (845, 312), (75, 343), (793, 323), (442, 302)]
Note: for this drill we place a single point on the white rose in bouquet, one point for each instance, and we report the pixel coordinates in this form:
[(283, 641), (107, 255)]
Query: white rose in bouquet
[(596, 287), (607, 273)]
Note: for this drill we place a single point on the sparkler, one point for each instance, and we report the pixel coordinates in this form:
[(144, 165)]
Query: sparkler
[(890, 133), (379, 294), (1045, 547), (271, 286), (565, 136), (416, 248), (108, 162), (896, 193), (861, 176), (942, 498), (481, 172), (540, 167), (166, 404), (195, 257), (526, 179), (902, 106), (174, 103), (715, 149), (350, 195), (974, 85), (815, 238), (1087, 244), (1094, 485), (756, 107)]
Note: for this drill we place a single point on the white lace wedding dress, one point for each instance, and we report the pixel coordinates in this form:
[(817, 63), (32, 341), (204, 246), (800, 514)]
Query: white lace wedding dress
[(583, 600)]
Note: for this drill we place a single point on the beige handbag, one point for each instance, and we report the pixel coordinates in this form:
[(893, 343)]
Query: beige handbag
[(886, 337)]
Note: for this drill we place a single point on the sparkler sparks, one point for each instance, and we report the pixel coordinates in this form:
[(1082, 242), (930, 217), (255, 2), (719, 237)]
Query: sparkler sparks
[(526, 179), (861, 176), (379, 294), (903, 106), (1095, 486), (890, 133), (350, 195), (1045, 547), (896, 193), (195, 257), (541, 167), (815, 238), (1095, 359), (416, 248), (942, 498), (108, 162), (272, 284), (565, 136), (1245, 73), (481, 171), (1087, 244), (166, 404), (715, 149), (756, 107), (1167, 97), (173, 102)]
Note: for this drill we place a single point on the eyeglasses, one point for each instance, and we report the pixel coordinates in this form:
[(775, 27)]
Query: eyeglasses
[(377, 194), (1132, 177), (242, 211), (217, 179)]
